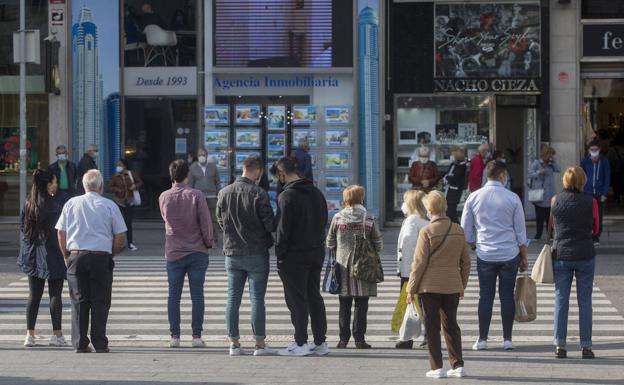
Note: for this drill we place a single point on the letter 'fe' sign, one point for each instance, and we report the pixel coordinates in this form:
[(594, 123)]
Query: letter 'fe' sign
[(603, 40)]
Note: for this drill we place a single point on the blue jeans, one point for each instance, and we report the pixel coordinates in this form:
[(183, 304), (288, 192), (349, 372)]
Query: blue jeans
[(506, 273), (195, 266), (240, 269), (564, 272)]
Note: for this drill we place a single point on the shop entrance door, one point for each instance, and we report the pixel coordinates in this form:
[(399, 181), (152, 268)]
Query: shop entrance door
[(158, 130), (517, 128)]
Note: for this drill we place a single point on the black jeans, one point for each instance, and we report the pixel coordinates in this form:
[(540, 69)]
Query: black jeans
[(452, 199), (541, 215), (55, 289), (359, 318), (600, 212), (302, 290), (90, 281), (128, 213)]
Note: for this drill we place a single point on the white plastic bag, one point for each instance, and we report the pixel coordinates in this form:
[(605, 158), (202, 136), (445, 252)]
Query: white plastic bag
[(412, 325)]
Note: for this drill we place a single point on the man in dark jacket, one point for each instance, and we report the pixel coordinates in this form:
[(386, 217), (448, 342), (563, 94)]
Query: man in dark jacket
[(598, 173), (455, 182), (86, 163), (304, 160), (300, 250), (65, 171), (246, 217)]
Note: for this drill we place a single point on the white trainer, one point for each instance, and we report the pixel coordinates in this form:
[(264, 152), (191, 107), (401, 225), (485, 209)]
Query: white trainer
[(295, 350), (58, 341), (438, 373), (319, 350), (457, 372), (480, 345), (174, 342), (264, 351), (198, 342), (507, 345), (236, 350), (29, 341), (132, 247)]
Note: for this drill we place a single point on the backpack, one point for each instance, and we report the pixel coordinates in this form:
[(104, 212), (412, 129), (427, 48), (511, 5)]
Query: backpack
[(366, 262)]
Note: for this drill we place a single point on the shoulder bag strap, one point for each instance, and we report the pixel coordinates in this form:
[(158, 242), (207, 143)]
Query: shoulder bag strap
[(551, 222), (441, 243)]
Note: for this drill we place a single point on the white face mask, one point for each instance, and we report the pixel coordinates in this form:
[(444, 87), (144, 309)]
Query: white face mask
[(428, 215), (452, 158), (594, 154), (404, 209), (202, 159), (119, 169), (424, 159), (96, 154), (61, 157)]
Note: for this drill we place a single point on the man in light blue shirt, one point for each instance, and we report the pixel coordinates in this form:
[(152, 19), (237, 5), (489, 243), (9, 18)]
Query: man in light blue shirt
[(493, 222), (90, 230)]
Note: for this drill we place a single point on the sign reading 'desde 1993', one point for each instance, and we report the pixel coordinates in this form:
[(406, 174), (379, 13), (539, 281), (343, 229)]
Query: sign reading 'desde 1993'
[(603, 40), (155, 81)]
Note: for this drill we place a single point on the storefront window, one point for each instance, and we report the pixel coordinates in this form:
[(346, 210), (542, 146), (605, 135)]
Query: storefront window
[(602, 9), (603, 116), (438, 123)]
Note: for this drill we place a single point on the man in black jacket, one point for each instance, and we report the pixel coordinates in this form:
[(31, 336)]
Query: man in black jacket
[(86, 163), (455, 182), (300, 250), (65, 172)]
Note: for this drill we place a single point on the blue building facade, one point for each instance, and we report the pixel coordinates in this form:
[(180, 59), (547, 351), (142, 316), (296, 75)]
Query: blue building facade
[(113, 134)]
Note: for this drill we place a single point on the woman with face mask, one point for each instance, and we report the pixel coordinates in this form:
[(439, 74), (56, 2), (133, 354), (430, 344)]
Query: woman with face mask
[(424, 172), (123, 185), (415, 219), (40, 256), (542, 175)]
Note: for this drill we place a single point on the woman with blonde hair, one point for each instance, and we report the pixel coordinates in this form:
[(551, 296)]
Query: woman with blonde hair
[(346, 224), (439, 275), (542, 174), (415, 219)]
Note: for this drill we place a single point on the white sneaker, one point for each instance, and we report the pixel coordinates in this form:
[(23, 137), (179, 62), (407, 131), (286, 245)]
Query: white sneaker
[(174, 342), (480, 345), (265, 351), (198, 342), (132, 247), (236, 350), (57, 341), (507, 345), (457, 373), (438, 373), (319, 350), (295, 350), (29, 341)]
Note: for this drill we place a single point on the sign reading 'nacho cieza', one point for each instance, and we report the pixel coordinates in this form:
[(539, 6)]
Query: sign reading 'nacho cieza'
[(487, 47)]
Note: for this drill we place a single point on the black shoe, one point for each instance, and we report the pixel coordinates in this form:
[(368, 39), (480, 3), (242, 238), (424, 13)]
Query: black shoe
[(423, 344), (588, 354), (537, 237), (105, 350), (342, 345), (362, 345), (561, 353), (404, 344), (84, 350)]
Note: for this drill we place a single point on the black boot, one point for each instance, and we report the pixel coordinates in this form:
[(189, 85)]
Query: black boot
[(404, 344)]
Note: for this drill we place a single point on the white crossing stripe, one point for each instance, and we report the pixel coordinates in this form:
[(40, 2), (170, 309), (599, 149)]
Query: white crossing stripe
[(139, 308)]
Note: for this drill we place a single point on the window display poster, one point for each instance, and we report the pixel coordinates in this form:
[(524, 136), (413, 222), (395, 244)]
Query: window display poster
[(276, 117), (242, 155), (248, 138), (304, 134), (339, 160), (276, 145), (247, 114), (337, 114), (218, 114), (466, 130), (337, 183), (222, 159), (216, 138), (333, 205), (337, 138), (304, 114)]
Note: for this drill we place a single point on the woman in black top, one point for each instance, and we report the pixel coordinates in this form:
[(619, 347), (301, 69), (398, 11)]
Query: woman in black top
[(575, 220), (455, 182), (40, 257)]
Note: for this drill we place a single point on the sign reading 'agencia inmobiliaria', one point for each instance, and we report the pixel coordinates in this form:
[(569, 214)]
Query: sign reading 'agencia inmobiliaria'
[(155, 81)]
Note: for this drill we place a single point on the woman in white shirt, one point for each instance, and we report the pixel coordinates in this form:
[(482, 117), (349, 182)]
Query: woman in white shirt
[(415, 219)]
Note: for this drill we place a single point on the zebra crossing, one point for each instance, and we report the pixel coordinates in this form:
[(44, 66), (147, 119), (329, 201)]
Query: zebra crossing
[(139, 309)]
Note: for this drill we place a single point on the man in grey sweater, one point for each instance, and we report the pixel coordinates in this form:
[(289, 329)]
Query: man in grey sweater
[(204, 176)]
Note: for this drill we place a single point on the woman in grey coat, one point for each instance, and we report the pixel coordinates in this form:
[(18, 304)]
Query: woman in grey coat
[(542, 175), (351, 220)]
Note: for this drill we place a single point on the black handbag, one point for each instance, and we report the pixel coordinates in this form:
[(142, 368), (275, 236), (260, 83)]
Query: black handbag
[(331, 282)]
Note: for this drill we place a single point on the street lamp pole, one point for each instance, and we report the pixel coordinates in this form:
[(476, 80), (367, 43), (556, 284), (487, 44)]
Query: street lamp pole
[(22, 102)]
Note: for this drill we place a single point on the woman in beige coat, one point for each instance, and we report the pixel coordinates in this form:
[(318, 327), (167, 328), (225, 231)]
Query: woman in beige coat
[(439, 275)]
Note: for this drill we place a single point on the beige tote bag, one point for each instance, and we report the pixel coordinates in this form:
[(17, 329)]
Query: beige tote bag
[(543, 268)]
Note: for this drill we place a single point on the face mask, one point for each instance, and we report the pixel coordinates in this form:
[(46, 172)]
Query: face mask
[(201, 159), (487, 154), (189, 160), (96, 154), (594, 154), (506, 181), (428, 215), (404, 209), (452, 158), (424, 159), (61, 157), (119, 169)]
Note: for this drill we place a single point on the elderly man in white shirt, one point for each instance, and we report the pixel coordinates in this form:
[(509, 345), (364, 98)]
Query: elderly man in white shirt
[(493, 222), (91, 230)]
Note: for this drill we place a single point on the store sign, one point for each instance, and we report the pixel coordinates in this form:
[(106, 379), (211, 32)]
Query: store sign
[(157, 81), (486, 85), (603, 40), (487, 47), (296, 81)]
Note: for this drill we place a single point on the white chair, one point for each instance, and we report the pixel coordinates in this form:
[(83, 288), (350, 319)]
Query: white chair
[(160, 42)]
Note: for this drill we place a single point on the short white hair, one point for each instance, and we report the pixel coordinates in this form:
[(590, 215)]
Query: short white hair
[(92, 180), (483, 146)]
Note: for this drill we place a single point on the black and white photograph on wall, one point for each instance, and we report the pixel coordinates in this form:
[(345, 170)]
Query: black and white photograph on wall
[(487, 40)]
